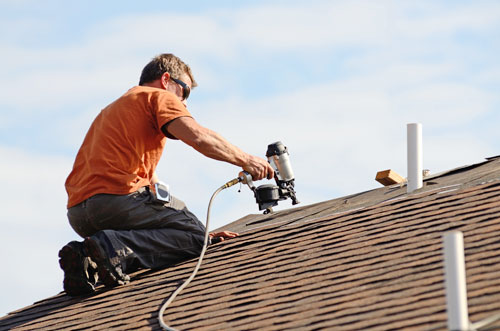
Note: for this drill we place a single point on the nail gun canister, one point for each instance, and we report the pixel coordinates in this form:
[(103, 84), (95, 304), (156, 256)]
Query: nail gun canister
[(278, 157)]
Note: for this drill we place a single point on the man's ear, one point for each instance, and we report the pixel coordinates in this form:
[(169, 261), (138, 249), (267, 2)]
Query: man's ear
[(164, 79)]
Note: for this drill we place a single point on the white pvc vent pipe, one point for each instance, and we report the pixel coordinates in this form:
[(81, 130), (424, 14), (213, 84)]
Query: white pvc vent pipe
[(414, 153), (455, 285)]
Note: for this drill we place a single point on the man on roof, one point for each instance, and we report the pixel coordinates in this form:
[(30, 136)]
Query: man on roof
[(112, 202)]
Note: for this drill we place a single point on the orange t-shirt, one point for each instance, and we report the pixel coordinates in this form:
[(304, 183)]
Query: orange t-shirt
[(124, 144)]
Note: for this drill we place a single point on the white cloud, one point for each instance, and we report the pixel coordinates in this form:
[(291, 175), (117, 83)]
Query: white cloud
[(112, 50), (443, 105), (431, 19), (272, 28), (34, 225), (35, 186), (453, 150)]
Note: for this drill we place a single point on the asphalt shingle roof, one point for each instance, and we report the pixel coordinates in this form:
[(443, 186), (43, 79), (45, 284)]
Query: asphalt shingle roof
[(367, 261)]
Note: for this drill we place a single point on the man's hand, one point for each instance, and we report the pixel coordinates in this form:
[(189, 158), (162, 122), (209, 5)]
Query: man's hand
[(221, 236), (258, 168)]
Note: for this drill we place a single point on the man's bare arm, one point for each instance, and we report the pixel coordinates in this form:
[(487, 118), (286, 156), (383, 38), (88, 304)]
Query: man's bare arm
[(214, 146)]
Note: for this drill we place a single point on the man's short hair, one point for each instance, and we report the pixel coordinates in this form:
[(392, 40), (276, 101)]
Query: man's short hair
[(165, 63)]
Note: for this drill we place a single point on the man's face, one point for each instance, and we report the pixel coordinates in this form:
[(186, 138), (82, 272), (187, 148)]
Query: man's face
[(178, 89)]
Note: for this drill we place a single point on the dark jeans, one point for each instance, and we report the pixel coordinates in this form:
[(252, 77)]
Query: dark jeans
[(138, 231)]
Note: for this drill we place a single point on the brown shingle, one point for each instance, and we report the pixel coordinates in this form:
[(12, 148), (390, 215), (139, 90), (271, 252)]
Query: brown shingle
[(367, 261)]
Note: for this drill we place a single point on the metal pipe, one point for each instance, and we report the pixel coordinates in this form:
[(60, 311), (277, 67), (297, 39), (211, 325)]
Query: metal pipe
[(414, 153), (455, 285)]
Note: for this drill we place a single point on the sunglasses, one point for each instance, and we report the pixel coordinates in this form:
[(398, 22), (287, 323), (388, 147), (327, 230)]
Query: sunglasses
[(185, 89)]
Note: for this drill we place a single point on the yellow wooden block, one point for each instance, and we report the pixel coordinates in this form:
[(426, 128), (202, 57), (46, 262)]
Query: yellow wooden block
[(389, 177)]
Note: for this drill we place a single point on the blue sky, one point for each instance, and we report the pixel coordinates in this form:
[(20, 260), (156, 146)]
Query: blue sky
[(336, 81)]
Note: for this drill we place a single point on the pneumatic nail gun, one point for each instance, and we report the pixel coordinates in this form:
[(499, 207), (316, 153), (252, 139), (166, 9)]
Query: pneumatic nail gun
[(268, 195)]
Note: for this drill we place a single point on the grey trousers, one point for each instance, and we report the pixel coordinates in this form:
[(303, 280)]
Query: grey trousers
[(138, 231)]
